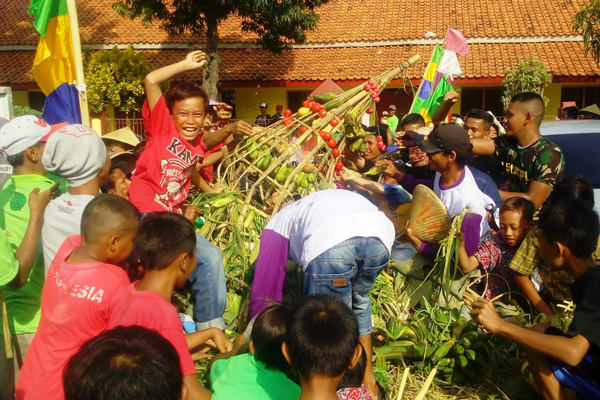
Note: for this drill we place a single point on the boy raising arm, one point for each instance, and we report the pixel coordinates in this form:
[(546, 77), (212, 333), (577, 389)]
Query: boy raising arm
[(571, 250)]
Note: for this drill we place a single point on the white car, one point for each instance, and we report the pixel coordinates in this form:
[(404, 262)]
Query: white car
[(579, 141)]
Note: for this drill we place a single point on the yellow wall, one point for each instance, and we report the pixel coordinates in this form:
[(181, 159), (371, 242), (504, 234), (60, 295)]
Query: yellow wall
[(20, 98), (248, 99)]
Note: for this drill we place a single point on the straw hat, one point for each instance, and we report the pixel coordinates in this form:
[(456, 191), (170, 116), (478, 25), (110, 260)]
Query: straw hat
[(429, 219), (123, 135)]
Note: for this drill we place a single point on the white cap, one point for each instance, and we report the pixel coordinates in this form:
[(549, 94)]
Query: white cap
[(76, 153), (22, 132), (263, 105)]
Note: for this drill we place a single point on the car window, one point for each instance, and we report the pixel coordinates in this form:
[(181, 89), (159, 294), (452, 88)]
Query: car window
[(582, 155)]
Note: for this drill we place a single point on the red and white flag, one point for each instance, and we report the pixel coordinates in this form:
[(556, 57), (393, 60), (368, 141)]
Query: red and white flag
[(455, 43)]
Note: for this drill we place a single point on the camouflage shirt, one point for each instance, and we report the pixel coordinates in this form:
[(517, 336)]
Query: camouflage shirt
[(541, 161)]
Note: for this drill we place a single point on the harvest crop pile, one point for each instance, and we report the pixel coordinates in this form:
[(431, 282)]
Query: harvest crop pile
[(425, 345)]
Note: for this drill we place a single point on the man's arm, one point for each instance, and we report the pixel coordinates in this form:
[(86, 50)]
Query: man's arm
[(483, 147), (567, 350), (154, 79), (440, 113), (537, 193), (360, 182)]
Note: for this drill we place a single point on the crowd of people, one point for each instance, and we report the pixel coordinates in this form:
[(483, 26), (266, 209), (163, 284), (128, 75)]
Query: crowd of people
[(87, 277)]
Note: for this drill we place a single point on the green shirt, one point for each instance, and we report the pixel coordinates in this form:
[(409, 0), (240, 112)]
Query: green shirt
[(242, 377), (392, 122), (9, 266), (23, 304)]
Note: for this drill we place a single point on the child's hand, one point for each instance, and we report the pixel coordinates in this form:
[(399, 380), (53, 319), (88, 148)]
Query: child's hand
[(39, 200), (222, 342), (218, 188), (483, 312), (241, 127), (195, 59), (191, 212), (390, 171)]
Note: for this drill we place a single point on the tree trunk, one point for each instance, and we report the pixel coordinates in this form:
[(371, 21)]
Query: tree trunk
[(210, 74)]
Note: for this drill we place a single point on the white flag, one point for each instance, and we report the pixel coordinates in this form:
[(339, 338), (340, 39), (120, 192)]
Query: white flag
[(449, 64)]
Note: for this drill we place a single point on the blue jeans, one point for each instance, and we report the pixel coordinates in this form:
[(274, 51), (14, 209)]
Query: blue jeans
[(208, 285), (348, 271)]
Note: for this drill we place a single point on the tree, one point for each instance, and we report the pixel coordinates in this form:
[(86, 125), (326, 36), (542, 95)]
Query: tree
[(587, 22), (277, 24), (529, 76), (116, 77)]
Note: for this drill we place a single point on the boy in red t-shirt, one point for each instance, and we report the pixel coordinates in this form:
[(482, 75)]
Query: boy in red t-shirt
[(82, 287), (167, 166), (165, 169), (166, 245)]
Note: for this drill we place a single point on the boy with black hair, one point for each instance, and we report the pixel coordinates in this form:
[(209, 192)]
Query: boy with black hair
[(166, 246), (568, 234), (350, 386), (83, 285), (259, 374), (125, 363), (321, 342), (166, 168), (553, 286)]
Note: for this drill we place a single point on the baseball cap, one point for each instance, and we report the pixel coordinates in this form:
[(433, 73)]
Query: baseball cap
[(279, 107), (392, 107), (263, 105), (22, 132), (448, 137)]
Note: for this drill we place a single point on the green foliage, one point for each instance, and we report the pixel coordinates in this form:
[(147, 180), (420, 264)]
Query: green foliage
[(19, 110), (277, 24), (529, 76), (116, 77), (587, 23)]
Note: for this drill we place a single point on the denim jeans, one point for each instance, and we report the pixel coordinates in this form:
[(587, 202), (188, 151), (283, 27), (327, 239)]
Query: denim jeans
[(208, 285), (348, 271)]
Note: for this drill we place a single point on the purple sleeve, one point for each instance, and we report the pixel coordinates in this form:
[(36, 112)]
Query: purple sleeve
[(429, 249), (471, 228), (269, 273), (409, 183)]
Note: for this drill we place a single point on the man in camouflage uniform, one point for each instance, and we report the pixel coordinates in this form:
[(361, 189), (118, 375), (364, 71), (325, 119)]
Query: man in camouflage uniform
[(532, 164)]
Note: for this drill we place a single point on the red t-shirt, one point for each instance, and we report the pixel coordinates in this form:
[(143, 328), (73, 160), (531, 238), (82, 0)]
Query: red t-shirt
[(148, 309), (76, 304), (162, 173)]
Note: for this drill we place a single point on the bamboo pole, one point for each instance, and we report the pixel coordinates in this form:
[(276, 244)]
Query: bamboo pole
[(79, 77)]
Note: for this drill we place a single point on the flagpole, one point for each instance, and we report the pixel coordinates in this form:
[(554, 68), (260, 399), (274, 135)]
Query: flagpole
[(79, 78)]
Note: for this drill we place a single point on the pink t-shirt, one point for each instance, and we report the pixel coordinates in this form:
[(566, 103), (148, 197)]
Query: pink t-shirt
[(162, 173), (148, 309), (76, 304)]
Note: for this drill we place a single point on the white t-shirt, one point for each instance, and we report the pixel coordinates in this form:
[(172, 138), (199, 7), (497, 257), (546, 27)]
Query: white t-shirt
[(464, 192), (324, 219), (62, 219)]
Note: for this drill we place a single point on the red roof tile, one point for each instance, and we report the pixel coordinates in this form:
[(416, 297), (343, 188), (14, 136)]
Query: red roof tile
[(340, 21), (563, 59)]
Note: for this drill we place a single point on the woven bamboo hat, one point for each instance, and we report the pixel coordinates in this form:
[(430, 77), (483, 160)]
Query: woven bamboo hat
[(429, 219), (123, 135)]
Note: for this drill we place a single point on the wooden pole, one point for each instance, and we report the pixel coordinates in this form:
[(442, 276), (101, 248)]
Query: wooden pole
[(79, 78)]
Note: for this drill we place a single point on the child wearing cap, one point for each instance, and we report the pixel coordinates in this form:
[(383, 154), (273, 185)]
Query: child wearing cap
[(76, 153), (23, 140), (449, 150)]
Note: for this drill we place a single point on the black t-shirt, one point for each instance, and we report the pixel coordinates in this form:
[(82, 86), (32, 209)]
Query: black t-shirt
[(586, 317)]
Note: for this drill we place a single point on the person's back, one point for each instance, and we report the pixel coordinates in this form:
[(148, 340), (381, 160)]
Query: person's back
[(83, 285), (259, 374), (78, 154), (166, 246)]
